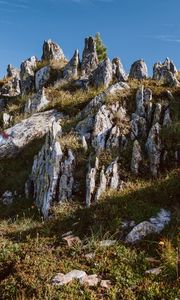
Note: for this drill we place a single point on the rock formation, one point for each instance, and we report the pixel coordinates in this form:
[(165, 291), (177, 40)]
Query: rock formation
[(89, 57), (139, 70), (41, 77), (165, 73), (72, 68), (27, 73), (102, 75), (118, 70), (52, 51), (37, 102)]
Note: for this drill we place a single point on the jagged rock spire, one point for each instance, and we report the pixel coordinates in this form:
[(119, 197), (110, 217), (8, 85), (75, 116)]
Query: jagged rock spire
[(89, 57), (52, 51)]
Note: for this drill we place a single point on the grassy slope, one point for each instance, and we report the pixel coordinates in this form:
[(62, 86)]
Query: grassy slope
[(32, 250)]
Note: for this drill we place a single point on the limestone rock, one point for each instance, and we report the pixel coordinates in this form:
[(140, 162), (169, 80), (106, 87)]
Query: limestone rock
[(102, 185), (41, 77), (37, 102), (154, 225), (165, 72), (89, 57), (71, 69), (7, 198), (52, 51), (61, 279), (153, 146), (102, 75), (27, 73), (157, 114), (66, 178), (139, 70), (6, 119), (136, 158), (154, 271), (13, 72), (102, 127), (112, 176), (143, 97), (11, 88), (138, 127), (114, 138), (167, 121), (118, 70), (91, 181), (72, 240), (27, 131), (91, 280), (107, 243)]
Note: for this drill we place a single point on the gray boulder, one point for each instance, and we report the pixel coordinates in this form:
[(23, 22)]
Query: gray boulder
[(27, 75), (102, 75), (89, 57), (71, 69), (118, 70), (52, 51), (139, 70), (37, 102), (41, 77)]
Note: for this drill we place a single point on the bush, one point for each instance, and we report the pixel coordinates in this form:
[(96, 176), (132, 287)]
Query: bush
[(100, 47)]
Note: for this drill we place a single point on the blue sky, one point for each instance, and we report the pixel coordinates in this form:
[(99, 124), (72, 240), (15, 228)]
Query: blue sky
[(131, 29)]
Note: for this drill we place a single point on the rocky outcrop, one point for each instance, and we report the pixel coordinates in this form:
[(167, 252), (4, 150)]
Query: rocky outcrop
[(139, 70), (118, 70), (7, 118), (89, 57), (165, 73), (91, 181), (102, 75), (27, 73), (52, 51), (41, 77), (27, 131), (11, 88), (154, 225), (37, 102), (12, 72), (136, 158), (72, 68), (153, 146), (143, 97), (7, 198)]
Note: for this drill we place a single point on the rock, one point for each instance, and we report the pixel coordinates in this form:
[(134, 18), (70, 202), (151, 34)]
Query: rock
[(138, 127), (90, 280), (102, 75), (143, 97), (154, 271), (61, 279), (114, 138), (102, 127), (105, 284), (154, 225), (11, 88), (89, 57), (42, 76), (7, 198), (139, 70), (153, 146), (66, 180), (102, 185), (72, 68), (91, 181), (52, 51), (45, 171), (84, 127), (84, 144), (167, 118), (118, 70), (36, 103), (27, 75), (157, 114), (27, 131), (165, 73), (12, 72), (90, 255), (6, 119), (152, 260), (107, 243), (136, 158), (128, 224), (112, 176), (72, 240)]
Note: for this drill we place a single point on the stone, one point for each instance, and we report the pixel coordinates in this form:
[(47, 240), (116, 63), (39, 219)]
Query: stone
[(107, 243), (153, 146), (6, 119), (36, 103), (61, 279), (84, 144), (42, 76), (89, 57), (28, 130), (90, 256), (136, 158), (27, 75), (52, 52), (90, 280), (138, 127), (45, 170), (91, 181), (112, 176), (167, 121), (118, 70), (102, 75), (165, 73), (11, 88), (72, 240), (139, 70), (12, 72), (66, 180), (105, 284), (84, 127), (7, 198), (102, 127), (157, 114), (143, 97), (114, 138), (154, 271), (154, 225), (72, 68), (2, 105), (102, 185)]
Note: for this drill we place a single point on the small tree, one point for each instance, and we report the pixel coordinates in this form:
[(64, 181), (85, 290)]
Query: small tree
[(100, 47)]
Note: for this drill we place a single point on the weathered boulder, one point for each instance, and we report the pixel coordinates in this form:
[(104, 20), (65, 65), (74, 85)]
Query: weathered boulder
[(102, 75), (52, 51), (154, 225), (41, 77), (72, 68), (136, 157), (27, 131), (37, 102), (89, 57), (118, 70), (165, 72), (27, 75), (153, 146), (139, 70)]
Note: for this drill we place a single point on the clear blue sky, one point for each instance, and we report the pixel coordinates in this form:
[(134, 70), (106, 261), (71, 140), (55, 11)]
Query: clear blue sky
[(131, 29)]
